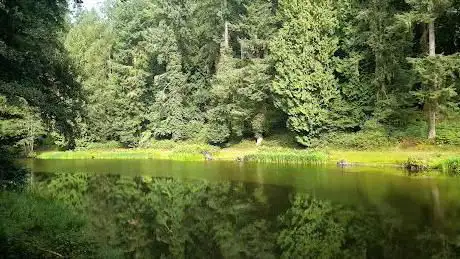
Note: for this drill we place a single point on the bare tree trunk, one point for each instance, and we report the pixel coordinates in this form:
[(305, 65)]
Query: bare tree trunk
[(432, 121), (431, 39), (226, 41), (433, 104), (259, 139)]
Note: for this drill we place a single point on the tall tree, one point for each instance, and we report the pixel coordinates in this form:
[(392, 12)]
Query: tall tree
[(305, 86), (241, 99), (433, 71), (34, 66), (90, 43)]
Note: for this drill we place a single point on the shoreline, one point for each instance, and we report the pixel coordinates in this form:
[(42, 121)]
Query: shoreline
[(432, 158)]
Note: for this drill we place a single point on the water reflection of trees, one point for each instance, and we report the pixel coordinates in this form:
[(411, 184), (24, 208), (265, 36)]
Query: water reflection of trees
[(146, 217)]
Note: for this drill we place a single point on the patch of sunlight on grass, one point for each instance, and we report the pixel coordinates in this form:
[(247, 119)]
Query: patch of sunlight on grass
[(267, 152)]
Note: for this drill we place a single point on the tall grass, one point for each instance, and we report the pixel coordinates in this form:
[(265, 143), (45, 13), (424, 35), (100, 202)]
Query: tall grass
[(450, 165), (300, 157), (184, 153), (141, 154)]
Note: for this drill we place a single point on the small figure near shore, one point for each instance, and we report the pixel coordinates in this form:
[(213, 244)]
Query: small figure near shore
[(343, 163), (207, 155)]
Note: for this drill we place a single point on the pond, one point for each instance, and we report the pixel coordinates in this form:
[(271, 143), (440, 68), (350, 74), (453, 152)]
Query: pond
[(173, 209)]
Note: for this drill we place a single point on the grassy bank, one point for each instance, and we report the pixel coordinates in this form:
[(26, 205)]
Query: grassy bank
[(225, 154), (433, 156)]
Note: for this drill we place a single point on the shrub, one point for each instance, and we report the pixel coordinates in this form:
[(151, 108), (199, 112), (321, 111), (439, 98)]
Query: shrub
[(100, 145), (35, 227), (415, 131), (194, 148), (414, 164), (217, 133), (162, 144), (451, 165), (360, 140), (448, 132), (280, 140), (373, 135)]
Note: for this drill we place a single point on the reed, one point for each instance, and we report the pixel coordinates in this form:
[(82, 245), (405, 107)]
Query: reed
[(450, 165), (299, 157)]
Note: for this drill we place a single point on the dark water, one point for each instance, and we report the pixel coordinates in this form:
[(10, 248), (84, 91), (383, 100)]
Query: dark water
[(170, 209)]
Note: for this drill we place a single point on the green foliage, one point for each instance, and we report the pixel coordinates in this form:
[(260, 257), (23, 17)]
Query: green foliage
[(19, 126), (165, 71), (415, 131), (35, 71), (372, 136), (97, 145), (285, 139), (220, 71), (155, 217), (36, 227), (437, 76), (451, 165), (305, 45), (414, 164), (240, 92), (448, 132), (312, 228), (194, 148)]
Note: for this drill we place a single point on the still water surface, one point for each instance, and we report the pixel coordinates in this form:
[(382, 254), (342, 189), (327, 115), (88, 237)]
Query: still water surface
[(173, 209)]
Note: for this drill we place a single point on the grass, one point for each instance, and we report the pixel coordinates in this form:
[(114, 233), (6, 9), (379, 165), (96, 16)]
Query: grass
[(450, 165), (121, 154), (290, 156), (390, 156), (272, 150)]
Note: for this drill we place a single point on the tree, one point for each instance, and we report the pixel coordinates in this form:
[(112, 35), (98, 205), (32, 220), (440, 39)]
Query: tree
[(34, 67), (240, 94), (434, 88), (305, 86), (89, 43)]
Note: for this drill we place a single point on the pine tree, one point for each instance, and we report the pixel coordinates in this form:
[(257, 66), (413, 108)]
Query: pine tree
[(305, 86), (433, 71)]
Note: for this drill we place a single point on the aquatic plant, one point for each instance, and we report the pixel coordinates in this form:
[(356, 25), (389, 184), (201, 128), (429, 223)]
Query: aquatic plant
[(450, 165), (302, 157)]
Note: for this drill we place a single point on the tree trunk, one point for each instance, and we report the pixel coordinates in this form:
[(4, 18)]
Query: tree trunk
[(432, 122), (433, 103), (226, 41), (259, 139), (431, 39)]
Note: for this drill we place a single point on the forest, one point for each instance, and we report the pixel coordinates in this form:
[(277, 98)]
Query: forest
[(348, 73), (288, 80)]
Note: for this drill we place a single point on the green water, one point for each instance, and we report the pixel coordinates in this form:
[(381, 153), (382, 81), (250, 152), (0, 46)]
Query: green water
[(172, 209)]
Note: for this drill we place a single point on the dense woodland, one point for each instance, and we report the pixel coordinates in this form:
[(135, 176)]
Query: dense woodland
[(340, 72), (346, 73)]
